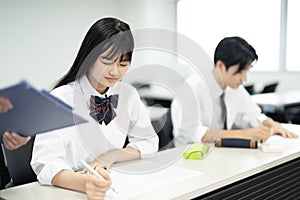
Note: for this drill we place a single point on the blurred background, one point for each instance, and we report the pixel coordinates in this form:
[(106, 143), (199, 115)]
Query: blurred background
[(40, 39)]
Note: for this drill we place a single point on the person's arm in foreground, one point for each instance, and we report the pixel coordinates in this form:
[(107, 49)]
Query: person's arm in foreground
[(5, 104), (13, 141)]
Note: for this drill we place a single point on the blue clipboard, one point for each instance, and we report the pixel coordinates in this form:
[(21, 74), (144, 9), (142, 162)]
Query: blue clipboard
[(35, 111)]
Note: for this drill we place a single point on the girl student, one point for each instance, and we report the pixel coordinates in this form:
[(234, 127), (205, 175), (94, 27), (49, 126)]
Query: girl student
[(113, 109)]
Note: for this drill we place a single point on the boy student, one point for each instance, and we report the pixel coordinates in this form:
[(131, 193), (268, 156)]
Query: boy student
[(93, 87), (229, 101)]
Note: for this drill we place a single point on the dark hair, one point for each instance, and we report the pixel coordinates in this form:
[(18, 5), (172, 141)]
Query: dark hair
[(235, 50), (105, 34)]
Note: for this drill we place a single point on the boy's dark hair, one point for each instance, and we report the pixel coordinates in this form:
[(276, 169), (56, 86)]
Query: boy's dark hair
[(235, 50)]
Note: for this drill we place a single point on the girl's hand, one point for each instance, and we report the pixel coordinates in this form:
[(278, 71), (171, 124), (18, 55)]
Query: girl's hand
[(95, 188)]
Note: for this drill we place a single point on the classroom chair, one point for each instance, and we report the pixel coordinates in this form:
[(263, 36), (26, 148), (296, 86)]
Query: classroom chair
[(249, 88), (18, 164), (164, 128), (293, 114), (269, 88)]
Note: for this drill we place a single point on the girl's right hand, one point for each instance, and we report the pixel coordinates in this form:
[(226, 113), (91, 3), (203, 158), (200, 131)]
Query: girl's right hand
[(96, 188), (260, 133)]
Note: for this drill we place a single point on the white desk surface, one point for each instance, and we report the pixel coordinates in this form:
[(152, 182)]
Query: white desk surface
[(278, 99), (221, 167)]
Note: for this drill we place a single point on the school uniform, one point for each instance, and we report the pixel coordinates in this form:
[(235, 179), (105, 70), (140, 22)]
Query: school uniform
[(63, 148), (206, 112)]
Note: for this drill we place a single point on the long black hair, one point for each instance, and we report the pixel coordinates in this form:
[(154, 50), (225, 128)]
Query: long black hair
[(235, 50), (107, 34)]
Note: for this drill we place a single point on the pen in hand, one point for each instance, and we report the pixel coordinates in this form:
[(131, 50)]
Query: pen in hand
[(94, 172)]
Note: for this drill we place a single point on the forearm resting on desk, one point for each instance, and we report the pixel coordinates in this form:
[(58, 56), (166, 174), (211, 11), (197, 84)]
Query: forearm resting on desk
[(213, 135), (260, 133), (117, 155)]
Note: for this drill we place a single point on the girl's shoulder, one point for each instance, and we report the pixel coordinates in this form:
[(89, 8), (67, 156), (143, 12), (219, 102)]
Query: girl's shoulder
[(65, 92), (126, 91), (62, 90), (125, 88)]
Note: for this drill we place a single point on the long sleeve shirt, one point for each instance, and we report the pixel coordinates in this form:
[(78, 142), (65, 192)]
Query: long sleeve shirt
[(62, 149)]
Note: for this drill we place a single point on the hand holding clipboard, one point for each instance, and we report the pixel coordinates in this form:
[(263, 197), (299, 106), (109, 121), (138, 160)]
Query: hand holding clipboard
[(35, 111)]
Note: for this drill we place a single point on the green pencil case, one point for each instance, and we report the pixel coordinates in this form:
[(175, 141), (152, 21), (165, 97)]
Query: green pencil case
[(196, 151)]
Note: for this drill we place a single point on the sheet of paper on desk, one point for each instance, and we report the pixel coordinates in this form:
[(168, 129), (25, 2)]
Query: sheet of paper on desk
[(131, 185), (279, 144)]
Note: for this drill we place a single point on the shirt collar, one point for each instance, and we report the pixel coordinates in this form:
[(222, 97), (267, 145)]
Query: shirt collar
[(215, 88)]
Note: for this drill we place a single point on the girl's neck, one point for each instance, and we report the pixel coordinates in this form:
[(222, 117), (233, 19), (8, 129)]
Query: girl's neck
[(101, 89)]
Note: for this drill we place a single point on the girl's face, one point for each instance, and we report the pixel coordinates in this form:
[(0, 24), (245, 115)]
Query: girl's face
[(106, 72)]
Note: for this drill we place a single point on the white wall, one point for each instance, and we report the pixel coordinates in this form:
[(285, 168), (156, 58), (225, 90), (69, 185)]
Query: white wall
[(39, 39)]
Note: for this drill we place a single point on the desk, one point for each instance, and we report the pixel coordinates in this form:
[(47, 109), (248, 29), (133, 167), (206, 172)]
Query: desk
[(282, 107), (223, 166), (278, 100), (156, 94)]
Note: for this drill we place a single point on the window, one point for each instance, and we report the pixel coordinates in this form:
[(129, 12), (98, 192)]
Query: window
[(207, 22), (293, 36)]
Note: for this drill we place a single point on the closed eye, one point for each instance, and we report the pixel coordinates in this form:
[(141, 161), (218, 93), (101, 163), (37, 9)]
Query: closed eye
[(124, 64)]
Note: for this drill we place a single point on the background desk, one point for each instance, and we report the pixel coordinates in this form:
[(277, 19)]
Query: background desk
[(278, 100), (221, 168), (155, 94), (282, 107)]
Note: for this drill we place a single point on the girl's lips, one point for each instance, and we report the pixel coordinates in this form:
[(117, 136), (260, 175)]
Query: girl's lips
[(111, 79)]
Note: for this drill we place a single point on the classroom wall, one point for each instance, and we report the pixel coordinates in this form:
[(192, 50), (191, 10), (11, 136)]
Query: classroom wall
[(40, 38)]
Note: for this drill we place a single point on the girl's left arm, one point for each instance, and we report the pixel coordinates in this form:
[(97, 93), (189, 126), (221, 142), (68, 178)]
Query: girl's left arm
[(142, 137), (114, 156)]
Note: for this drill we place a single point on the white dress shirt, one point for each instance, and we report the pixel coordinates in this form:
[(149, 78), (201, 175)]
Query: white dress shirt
[(63, 148), (198, 104)]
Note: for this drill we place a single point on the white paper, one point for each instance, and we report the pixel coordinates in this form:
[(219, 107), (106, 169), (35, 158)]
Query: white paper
[(131, 185)]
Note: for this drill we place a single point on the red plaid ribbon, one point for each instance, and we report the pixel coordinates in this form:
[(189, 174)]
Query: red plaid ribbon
[(102, 109)]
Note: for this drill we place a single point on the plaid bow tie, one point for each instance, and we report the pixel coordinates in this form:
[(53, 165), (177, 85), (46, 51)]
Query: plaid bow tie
[(102, 109)]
